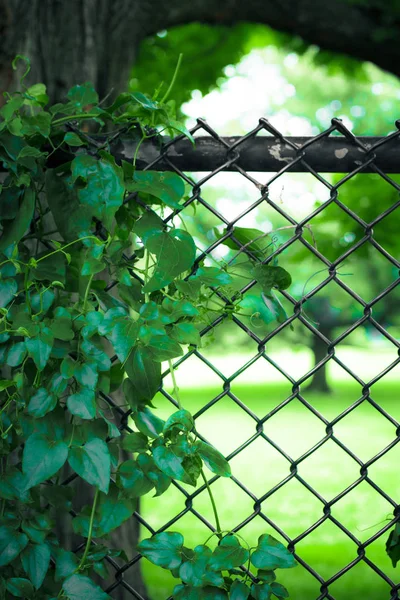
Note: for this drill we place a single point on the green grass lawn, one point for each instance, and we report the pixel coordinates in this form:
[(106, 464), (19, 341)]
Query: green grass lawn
[(293, 508)]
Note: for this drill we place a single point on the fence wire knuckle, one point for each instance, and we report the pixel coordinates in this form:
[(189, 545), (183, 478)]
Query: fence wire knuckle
[(253, 156)]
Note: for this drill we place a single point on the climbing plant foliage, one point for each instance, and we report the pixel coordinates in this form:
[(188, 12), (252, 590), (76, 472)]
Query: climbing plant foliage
[(98, 289)]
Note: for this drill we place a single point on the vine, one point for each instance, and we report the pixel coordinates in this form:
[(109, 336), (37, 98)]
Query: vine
[(96, 292)]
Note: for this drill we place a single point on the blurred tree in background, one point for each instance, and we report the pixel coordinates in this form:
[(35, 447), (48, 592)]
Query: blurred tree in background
[(99, 40), (359, 93)]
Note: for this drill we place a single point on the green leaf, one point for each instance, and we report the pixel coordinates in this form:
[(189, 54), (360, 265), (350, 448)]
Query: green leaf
[(8, 289), (189, 288), (73, 139), (38, 93), (52, 426), (12, 485), (42, 458), (257, 242), (275, 307), (9, 108), (187, 592), (86, 375), (168, 186), (180, 128), (211, 276), (100, 568), (132, 479), (170, 463), (77, 587), (30, 151), (38, 527), (228, 554), (66, 563), (51, 269), (92, 258), (14, 230), (117, 376), (148, 225), (239, 591), (62, 324), (11, 544), (37, 124), (82, 95), (266, 308), (67, 368), (123, 337), (94, 353), (144, 374), (82, 404), (20, 587), (271, 277), (393, 545), (261, 591), (175, 252), (162, 348), (71, 218), (59, 496), (267, 576), (41, 403), (196, 571), (39, 346), (16, 354), (271, 554), (92, 462), (35, 561), (186, 333), (173, 310), (135, 442), (148, 423), (181, 419), (163, 549), (9, 203), (6, 383), (41, 302), (279, 590), (213, 459), (104, 190), (112, 511), (160, 481)]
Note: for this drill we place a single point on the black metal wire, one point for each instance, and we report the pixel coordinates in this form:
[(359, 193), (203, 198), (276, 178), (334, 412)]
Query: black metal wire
[(229, 158)]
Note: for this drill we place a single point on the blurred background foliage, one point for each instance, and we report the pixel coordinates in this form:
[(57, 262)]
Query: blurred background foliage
[(229, 73), (232, 77), (209, 49)]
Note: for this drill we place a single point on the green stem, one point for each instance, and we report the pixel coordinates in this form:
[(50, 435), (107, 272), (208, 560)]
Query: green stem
[(140, 142), (176, 389), (146, 273), (90, 532), (86, 237), (171, 85), (72, 434), (74, 118), (26, 289), (87, 292), (214, 506)]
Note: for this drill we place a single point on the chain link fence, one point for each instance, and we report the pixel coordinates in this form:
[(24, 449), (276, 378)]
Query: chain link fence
[(263, 160)]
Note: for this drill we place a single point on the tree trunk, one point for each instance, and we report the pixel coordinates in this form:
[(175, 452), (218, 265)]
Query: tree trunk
[(319, 382), (98, 40)]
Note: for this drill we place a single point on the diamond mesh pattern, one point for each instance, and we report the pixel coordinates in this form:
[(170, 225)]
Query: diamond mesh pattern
[(366, 162)]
